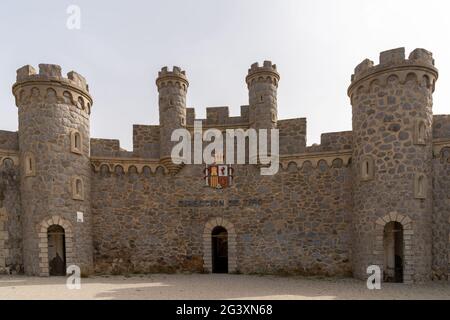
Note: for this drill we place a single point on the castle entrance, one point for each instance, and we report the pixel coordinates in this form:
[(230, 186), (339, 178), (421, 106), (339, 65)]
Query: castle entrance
[(56, 250), (393, 252), (219, 244)]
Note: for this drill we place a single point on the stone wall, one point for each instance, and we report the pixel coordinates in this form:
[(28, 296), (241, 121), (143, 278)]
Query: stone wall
[(332, 141), (108, 148), (292, 135), (441, 126), (441, 215), (146, 141), (297, 221), (10, 219), (105, 147)]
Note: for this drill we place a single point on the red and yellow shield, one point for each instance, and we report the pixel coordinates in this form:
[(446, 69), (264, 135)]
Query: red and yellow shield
[(218, 176)]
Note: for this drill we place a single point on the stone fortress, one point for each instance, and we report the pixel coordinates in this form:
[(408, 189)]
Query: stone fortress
[(376, 195)]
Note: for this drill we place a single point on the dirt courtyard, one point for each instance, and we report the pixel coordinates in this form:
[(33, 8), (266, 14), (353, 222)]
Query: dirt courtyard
[(213, 286)]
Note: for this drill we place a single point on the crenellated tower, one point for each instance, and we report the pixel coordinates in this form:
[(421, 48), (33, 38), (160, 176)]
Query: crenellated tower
[(172, 88), (54, 136), (262, 83), (392, 164)]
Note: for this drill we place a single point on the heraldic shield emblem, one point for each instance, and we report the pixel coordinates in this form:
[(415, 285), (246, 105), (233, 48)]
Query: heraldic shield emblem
[(218, 176)]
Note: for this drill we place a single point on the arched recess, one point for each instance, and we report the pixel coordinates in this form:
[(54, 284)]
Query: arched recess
[(207, 244), (408, 233), (43, 242)]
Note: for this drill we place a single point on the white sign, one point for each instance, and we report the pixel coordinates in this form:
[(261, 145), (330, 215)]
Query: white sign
[(80, 217)]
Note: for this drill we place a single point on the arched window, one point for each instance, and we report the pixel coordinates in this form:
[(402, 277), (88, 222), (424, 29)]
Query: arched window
[(29, 165), (367, 168), (420, 132), (81, 103), (76, 142), (77, 188)]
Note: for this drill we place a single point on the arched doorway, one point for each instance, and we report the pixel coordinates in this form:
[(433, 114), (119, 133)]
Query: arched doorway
[(219, 238), (393, 252), (56, 250)]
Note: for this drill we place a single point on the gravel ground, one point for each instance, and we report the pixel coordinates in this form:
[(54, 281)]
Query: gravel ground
[(216, 286)]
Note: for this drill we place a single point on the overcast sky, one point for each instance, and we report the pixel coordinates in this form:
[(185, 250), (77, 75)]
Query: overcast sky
[(122, 45)]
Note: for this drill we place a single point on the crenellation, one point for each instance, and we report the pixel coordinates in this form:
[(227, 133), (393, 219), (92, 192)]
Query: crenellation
[(292, 134), (51, 75), (104, 147), (392, 56), (190, 116), (25, 72), (441, 126), (421, 56), (219, 116), (336, 140), (50, 70), (146, 140), (420, 63), (9, 140), (78, 79)]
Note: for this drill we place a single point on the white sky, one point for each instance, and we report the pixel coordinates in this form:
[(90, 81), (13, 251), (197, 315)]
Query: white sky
[(123, 44)]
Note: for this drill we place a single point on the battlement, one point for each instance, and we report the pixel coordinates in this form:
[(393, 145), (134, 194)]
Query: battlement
[(9, 140), (50, 72), (176, 75), (266, 70), (441, 126), (146, 141), (395, 58), (219, 116)]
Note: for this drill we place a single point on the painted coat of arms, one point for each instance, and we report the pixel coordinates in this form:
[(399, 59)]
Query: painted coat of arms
[(218, 176)]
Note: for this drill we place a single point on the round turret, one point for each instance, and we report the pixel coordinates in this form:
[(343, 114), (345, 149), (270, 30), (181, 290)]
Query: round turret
[(55, 169), (172, 88), (262, 83), (392, 154)]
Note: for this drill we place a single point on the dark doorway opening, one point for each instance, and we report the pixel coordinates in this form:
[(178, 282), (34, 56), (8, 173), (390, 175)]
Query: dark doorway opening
[(56, 250), (219, 250), (393, 252)]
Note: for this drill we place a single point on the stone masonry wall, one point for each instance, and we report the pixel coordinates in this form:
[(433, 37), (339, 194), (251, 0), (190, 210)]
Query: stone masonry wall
[(9, 140), (292, 135), (297, 221), (441, 126), (10, 219), (441, 215), (146, 141)]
